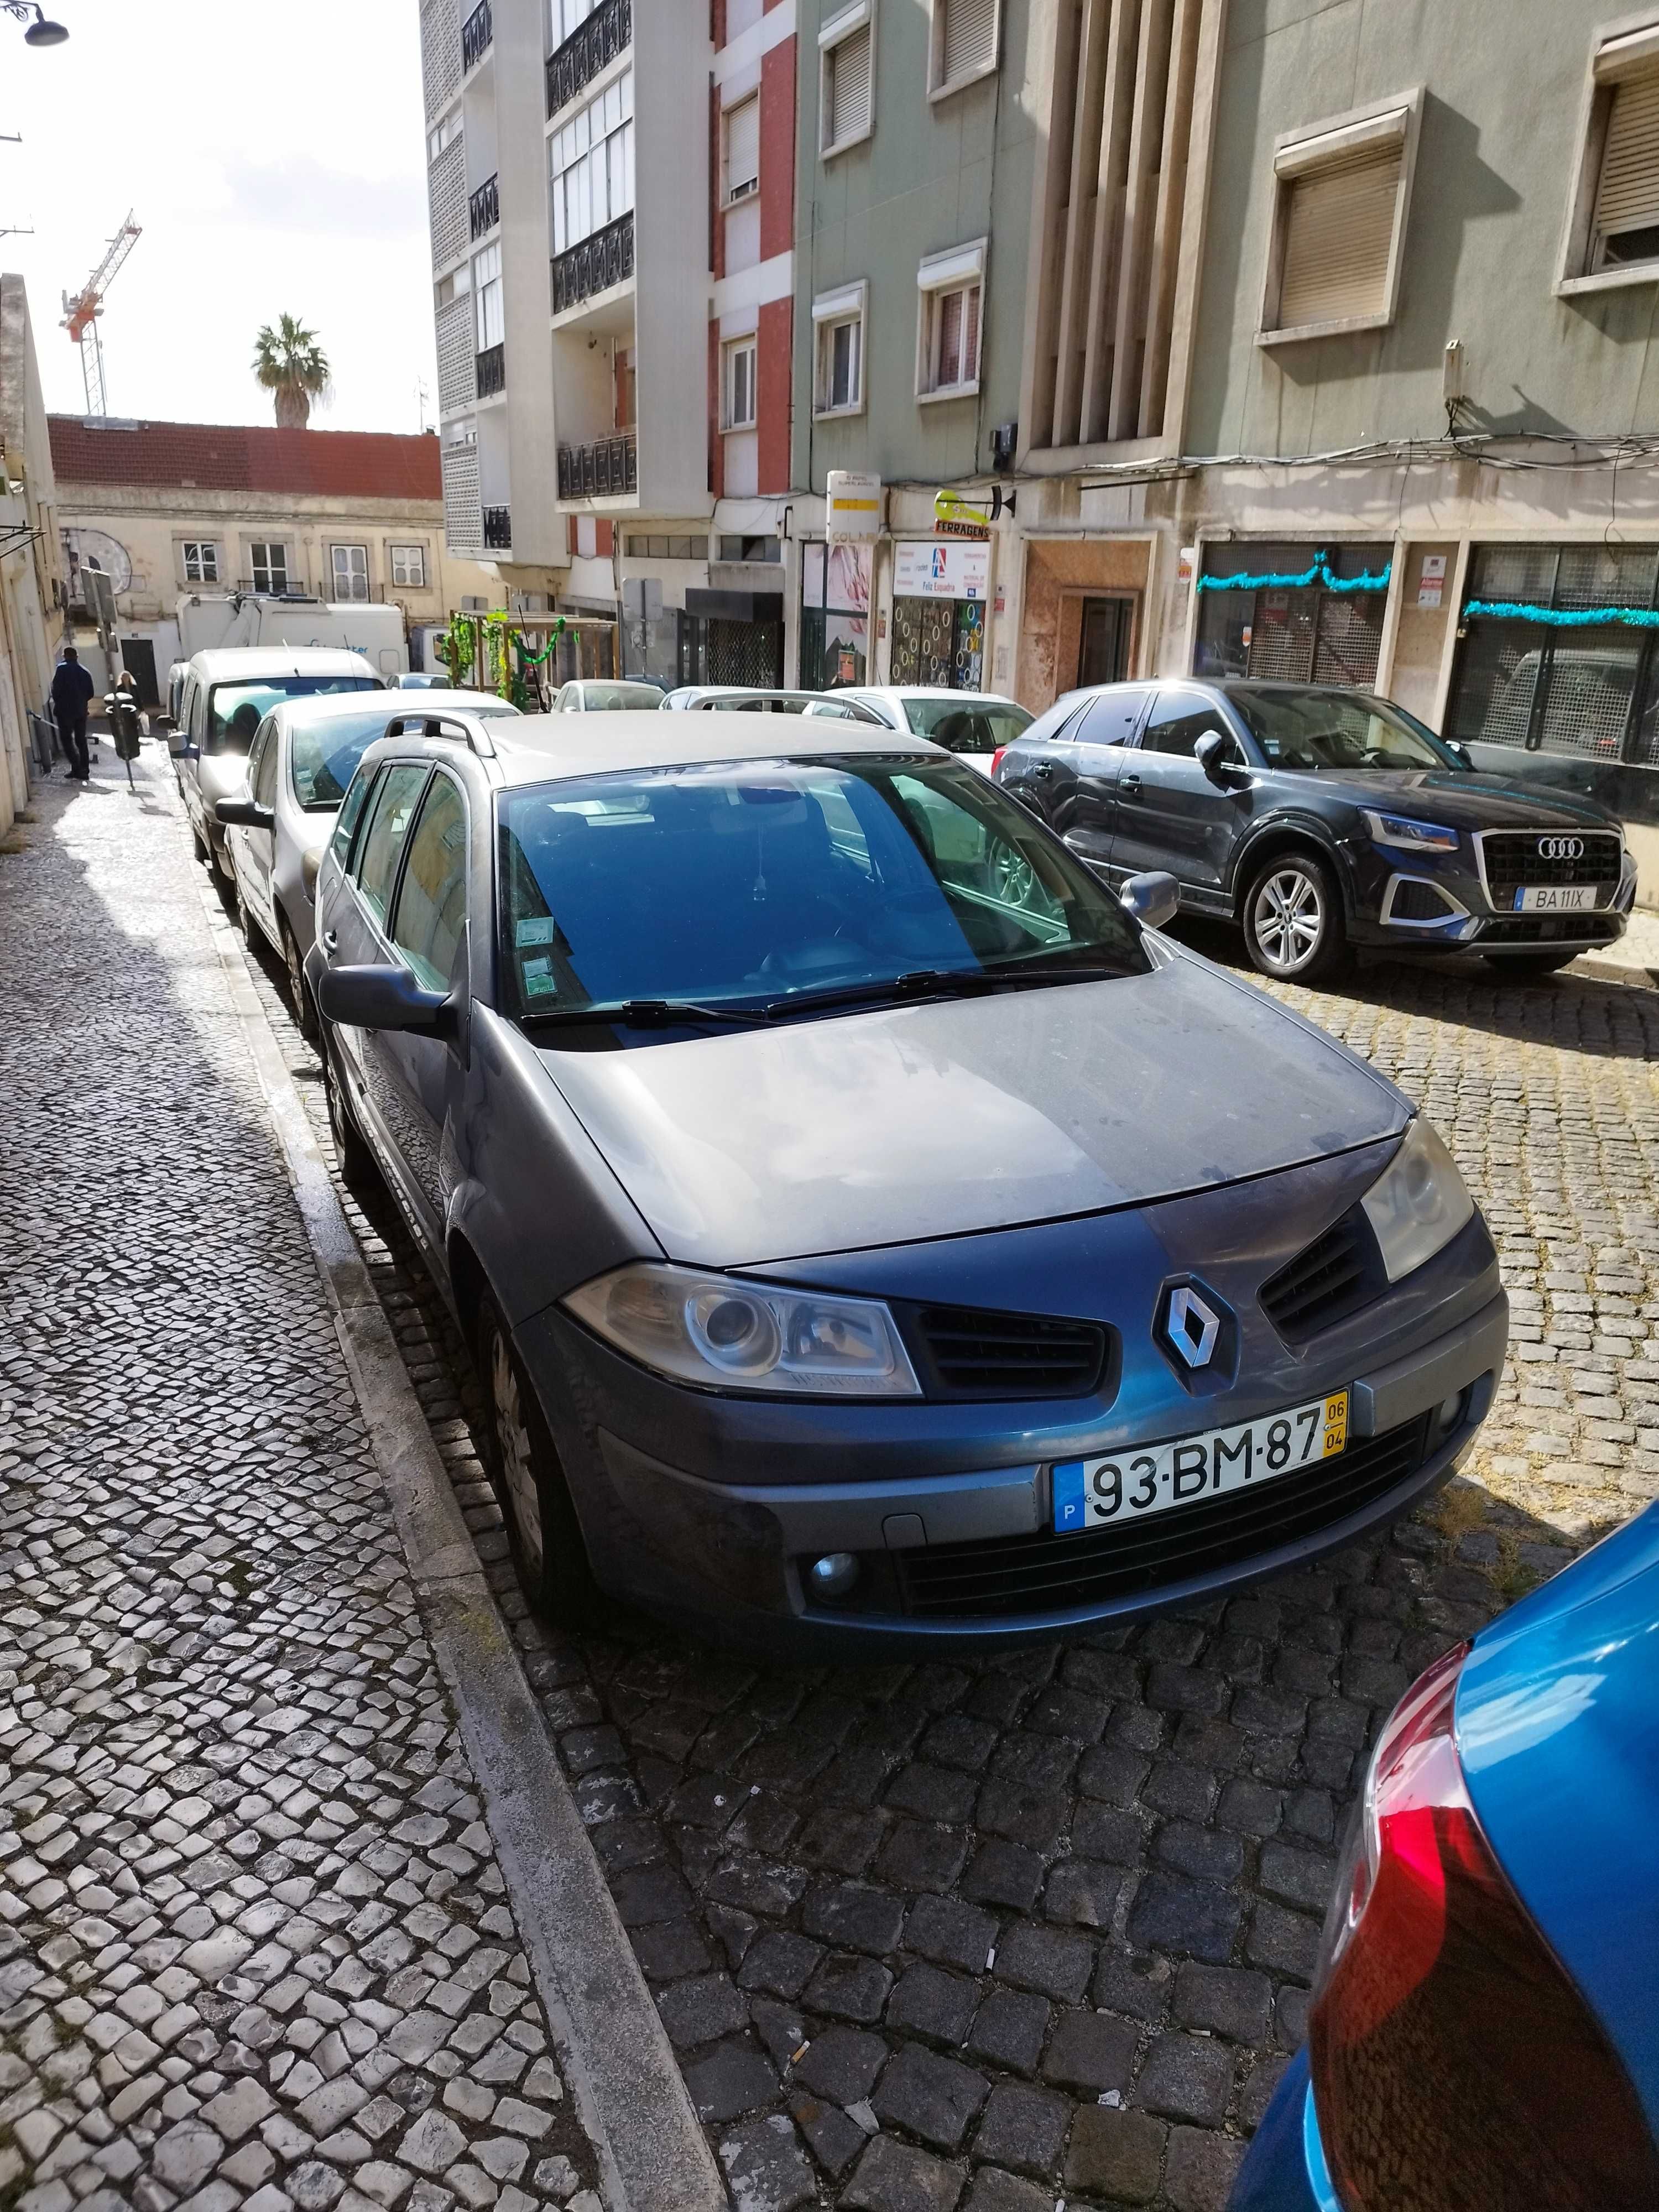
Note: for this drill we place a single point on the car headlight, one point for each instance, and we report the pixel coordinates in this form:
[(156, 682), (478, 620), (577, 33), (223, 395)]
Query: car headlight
[(1401, 829), (1418, 1203), (725, 1334)]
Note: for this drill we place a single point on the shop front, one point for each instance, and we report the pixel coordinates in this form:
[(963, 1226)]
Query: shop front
[(940, 587), (1289, 613), (835, 615)]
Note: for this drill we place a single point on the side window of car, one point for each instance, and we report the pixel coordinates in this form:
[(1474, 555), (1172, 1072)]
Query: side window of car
[(381, 846), (1109, 720), (350, 814), (197, 713), (430, 922), (263, 768), (1177, 722)]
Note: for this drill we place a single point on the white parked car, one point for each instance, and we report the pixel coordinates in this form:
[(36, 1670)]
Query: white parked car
[(606, 696), (973, 724)]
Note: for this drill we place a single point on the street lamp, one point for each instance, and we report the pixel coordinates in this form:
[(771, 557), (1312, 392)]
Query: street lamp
[(41, 31)]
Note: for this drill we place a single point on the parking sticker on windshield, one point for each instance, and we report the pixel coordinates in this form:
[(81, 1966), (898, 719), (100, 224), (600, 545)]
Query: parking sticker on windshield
[(538, 930), (1088, 1493), (539, 981)]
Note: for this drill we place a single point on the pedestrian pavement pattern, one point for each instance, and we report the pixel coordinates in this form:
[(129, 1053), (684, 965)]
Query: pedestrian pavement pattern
[(979, 1937), (255, 1948)]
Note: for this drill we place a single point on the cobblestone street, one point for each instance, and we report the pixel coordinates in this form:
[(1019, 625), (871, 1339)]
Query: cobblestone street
[(941, 1938)]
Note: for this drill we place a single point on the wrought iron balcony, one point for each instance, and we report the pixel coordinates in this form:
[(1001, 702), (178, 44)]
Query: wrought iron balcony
[(490, 371), (498, 529), (477, 33), (605, 468), (593, 45), (484, 208), (595, 265)]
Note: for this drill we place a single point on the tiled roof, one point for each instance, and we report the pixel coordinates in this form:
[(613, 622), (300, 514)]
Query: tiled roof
[(244, 457)]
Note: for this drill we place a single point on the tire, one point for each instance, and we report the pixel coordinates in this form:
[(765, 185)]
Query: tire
[(549, 1553), (198, 845), (248, 928), (357, 1169), (1529, 967), (298, 989), (1293, 922)]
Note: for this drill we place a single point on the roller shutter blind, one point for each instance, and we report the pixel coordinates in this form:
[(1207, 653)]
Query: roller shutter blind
[(970, 37), (743, 149), (847, 88), (1338, 231), (1628, 195)]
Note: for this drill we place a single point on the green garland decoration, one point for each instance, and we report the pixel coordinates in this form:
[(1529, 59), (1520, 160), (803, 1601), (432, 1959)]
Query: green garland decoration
[(1564, 618), (1319, 573)]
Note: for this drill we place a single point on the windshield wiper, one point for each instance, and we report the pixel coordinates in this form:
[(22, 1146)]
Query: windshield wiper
[(935, 983), (642, 1014)]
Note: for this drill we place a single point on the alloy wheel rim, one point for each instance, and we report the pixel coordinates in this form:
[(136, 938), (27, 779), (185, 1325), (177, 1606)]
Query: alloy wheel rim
[(513, 1437), (1014, 875), (1290, 920)]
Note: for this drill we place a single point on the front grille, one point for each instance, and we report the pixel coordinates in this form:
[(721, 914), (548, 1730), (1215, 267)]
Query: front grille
[(1511, 858), (963, 1353), (1336, 1275), (1420, 902), (1007, 1575)]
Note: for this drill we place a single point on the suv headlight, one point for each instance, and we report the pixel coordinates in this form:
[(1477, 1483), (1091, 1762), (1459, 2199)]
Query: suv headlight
[(1419, 1202), (725, 1334), (1413, 836)]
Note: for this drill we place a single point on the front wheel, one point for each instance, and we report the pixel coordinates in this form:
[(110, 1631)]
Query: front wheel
[(358, 1169), (1293, 922), (304, 1012), (1529, 967), (547, 1549)]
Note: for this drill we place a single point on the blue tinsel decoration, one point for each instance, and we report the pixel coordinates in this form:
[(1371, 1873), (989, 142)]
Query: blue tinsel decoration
[(1564, 618), (1319, 574)]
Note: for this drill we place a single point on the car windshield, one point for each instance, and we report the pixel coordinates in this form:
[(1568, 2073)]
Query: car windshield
[(1343, 729), (967, 725), (236, 710), (744, 883), (615, 698)]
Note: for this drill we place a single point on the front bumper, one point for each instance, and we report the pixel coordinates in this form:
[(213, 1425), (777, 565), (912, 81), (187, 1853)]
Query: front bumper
[(1440, 903), (1285, 2169), (709, 1509)]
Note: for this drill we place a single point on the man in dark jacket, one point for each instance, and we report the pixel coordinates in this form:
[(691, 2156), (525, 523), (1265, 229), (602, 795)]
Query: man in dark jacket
[(71, 696)]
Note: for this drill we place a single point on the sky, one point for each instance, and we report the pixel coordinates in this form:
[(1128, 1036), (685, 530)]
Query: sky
[(275, 160)]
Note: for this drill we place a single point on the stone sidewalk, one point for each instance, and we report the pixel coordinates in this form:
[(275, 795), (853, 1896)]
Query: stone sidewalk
[(255, 1947)]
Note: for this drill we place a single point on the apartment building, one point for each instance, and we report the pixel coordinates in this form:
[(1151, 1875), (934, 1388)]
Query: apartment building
[(31, 585), (612, 193)]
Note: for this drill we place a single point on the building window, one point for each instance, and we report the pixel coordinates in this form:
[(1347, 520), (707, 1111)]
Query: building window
[(948, 325), (1341, 193), (963, 45), (1614, 236), (564, 19), (200, 561), (740, 401), (750, 549), (846, 86), (487, 293), (742, 149), (350, 564), (269, 562), (641, 548), (455, 286), (443, 134), (409, 567), (590, 165), (838, 350)]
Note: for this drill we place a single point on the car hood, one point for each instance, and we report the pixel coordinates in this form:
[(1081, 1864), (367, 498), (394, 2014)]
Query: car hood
[(906, 1122), (1460, 798)]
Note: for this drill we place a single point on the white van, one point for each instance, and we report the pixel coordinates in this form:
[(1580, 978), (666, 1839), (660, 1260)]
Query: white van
[(224, 698), (209, 621)]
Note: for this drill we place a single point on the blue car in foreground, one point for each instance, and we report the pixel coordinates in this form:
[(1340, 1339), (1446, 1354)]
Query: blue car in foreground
[(1484, 2031)]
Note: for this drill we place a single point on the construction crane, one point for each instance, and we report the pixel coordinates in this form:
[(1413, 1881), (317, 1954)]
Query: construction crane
[(81, 312)]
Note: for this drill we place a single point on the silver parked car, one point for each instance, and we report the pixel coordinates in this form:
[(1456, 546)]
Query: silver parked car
[(590, 695), (874, 1235), (226, 694), (974, 725), (279, 821)]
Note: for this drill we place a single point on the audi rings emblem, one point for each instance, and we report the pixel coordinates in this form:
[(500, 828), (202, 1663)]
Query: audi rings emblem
[(1560, 849)]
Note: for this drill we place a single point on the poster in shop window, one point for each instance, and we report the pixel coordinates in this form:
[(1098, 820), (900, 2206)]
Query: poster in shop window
[(932, 568)]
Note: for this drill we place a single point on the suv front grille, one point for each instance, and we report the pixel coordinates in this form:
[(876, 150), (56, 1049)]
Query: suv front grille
[(1001, 1575), (1338, 1273), (1511, 858), (963, 1353)]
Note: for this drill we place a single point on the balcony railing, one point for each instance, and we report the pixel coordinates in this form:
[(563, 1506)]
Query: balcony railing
[(604, 469), (498, 529), (484, 208), (490, 371), (593, 45), (477, 33), (595, 265)]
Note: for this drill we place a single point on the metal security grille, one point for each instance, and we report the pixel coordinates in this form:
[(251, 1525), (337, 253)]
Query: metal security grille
[(463, 506), (455, 390), (1284, 636), (446, 185), (1339, 230), (1349, 640), (440, 51), (971, 38)]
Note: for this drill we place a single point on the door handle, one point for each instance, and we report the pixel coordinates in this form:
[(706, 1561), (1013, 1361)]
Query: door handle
[(1130, 786), (1045, 769), (331, 940)]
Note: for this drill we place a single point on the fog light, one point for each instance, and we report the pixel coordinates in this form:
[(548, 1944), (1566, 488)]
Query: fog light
[(1450, 1413), (832, 1575)]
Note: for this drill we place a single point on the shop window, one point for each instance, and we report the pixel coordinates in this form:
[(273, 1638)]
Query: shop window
[(963, 45), (838, 328), (948, 323), (1613, 230), (845, 78), (1340, 195), (835, 617), (742, 149), (738, 383), (940, 588), (1295, 613)]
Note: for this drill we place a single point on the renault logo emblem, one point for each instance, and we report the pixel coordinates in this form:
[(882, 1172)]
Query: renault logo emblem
[(1192, 1327), (1560, 849)]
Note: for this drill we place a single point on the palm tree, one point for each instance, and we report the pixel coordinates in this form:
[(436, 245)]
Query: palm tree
[(288, 362)]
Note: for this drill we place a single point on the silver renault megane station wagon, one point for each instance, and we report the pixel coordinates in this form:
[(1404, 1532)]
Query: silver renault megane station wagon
[(874, 1234)]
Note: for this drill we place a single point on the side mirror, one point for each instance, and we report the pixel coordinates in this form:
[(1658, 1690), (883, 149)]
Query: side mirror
[(245, 813), (383, 999), (1463, 754), (1152, 898), (1216, 754)]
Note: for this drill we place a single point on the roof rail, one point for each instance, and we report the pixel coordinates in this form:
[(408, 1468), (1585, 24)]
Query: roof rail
[(472, 727)]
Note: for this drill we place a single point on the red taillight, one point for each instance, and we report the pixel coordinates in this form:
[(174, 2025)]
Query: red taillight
[(1456, 2067), (996, 756)]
